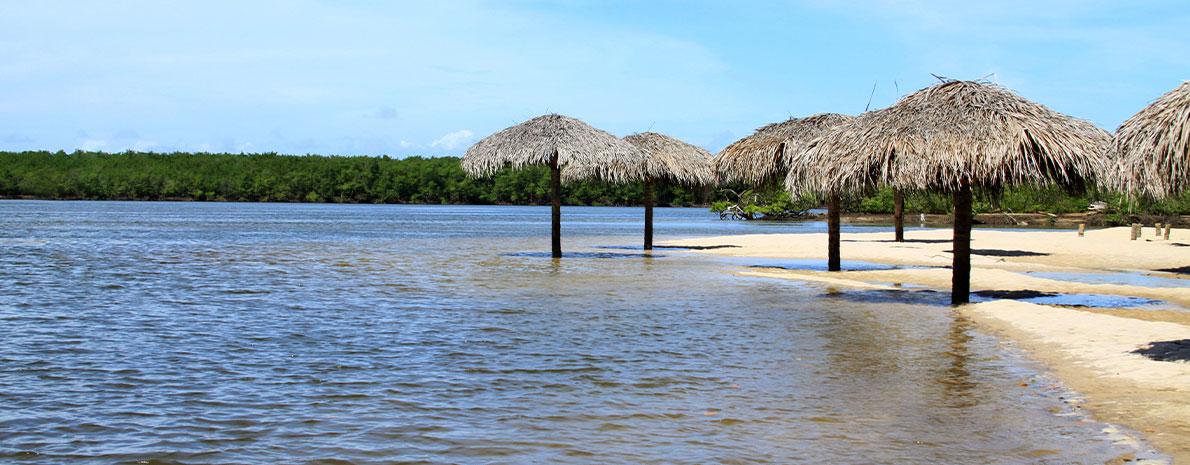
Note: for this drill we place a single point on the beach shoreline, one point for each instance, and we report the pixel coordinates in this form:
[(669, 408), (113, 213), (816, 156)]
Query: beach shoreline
[(1091, 219), (1089, 349)]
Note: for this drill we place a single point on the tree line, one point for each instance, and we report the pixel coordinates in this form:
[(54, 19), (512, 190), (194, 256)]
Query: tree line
[(270, 177)]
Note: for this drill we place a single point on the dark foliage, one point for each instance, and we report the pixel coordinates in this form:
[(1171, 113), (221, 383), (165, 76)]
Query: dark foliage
[(270, 177)]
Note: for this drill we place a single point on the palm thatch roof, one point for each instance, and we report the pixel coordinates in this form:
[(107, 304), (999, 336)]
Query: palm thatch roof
[(758, 157), (949, 134), (582, 151), (673, 160), (1153, 146)]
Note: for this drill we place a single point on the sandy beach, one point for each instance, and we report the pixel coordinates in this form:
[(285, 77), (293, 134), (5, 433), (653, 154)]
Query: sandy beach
[(1089, 348)]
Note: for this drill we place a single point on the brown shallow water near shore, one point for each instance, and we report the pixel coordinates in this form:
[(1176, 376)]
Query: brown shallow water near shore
[(1150, 396), (1089, 349)]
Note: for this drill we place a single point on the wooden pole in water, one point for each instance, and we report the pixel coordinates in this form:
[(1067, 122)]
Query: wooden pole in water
[(960, 287), (555, 207), (898, 216), (648, 214), (832, 232)]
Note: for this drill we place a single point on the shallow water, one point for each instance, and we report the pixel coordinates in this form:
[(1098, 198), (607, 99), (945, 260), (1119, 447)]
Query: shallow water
[(278, 333), (1128, 278)]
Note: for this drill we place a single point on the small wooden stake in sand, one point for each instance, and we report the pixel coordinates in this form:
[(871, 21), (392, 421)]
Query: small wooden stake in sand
[(1167, 226), (1082, 227), (1135, 230), (1158, 226)]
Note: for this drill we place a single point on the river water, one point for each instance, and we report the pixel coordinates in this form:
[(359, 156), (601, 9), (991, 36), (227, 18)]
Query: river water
[(302, 333)]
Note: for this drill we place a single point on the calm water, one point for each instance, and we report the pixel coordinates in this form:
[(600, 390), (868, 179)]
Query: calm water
[(277, 333)]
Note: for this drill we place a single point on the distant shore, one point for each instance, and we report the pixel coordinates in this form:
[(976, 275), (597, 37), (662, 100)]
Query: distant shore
[(1049, 220), (1090, 349)]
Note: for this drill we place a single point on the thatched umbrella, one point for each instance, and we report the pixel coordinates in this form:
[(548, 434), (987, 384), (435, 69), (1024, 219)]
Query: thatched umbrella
[(757, 158), (669, 160), (559, 142), (1153, 146), (951, 137)]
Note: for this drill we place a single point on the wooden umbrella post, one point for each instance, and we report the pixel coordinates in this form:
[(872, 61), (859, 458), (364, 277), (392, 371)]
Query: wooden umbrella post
[(898, 216), (649, 213), (961, 280), (555, 207), (832, 232)]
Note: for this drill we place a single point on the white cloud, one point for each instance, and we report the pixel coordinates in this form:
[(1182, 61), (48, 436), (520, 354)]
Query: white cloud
[(385, 113), (405, 144), (454, 140), (144, 146), (92, 145), (16, 139), (126, 134)]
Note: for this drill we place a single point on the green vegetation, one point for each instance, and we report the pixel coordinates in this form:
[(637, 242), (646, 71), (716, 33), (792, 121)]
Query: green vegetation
[(770, 201), (1027, 199), (270, 177)]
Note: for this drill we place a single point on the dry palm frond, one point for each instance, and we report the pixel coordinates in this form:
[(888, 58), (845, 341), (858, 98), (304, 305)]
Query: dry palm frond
[(765, 153), (949, 134), (1153, 146), (673, 160), (582, 151)]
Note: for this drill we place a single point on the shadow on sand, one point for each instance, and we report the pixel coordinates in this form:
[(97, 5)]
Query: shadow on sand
[(1167, 351)]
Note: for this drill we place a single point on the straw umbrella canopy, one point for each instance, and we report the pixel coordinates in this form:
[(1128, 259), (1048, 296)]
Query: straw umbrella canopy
[(671, 160), (756, 158), (562, 143), (1153, 146), (951, 137), (759, 157)]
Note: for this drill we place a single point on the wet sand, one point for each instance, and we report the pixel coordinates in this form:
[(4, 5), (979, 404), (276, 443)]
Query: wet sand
[(1089, 349)]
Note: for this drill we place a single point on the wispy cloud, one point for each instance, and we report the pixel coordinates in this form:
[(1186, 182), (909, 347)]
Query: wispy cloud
[(385, 113), (454, 140), (92, 145)]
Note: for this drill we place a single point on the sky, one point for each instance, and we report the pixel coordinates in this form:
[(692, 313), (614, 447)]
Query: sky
[(396, 78)]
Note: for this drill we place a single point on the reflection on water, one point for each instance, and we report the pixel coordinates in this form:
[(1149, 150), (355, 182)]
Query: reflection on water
[(812, 264), (584, 255), (249, 333)]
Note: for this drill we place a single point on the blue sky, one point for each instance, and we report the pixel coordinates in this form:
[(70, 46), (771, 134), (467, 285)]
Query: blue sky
[(357, 77)]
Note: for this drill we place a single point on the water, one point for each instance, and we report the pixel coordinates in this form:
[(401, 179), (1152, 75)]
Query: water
[(278, 333), (1118, 277)]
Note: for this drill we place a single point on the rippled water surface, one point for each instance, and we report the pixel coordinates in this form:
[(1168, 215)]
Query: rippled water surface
[(277, 333)]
